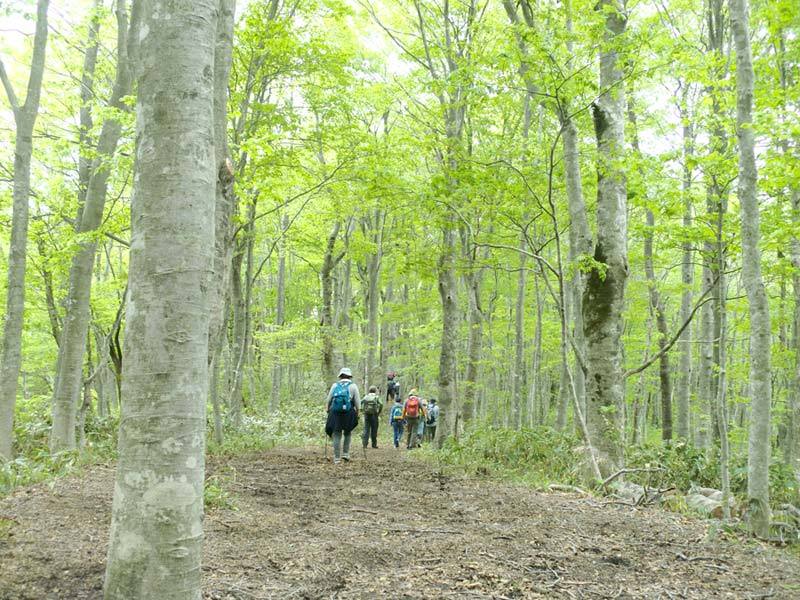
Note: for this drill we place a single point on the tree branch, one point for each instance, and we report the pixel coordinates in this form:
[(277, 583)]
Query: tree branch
[(701, 301)]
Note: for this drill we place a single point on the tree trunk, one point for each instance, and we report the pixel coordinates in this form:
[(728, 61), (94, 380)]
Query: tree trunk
[(793, 443), (604, 297), (156, 530), (375, 231), (519, 341), (447, 357), (535, 390), (24, 119), (280, 315), (77, 314), (760, 369), (225, 201), (683, 392), (329, 261)]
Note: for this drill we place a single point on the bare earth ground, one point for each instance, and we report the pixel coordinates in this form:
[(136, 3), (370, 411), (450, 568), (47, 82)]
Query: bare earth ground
[(391, 527)]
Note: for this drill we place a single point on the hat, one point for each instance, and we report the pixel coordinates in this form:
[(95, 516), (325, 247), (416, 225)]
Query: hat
[(345, 372), (413, 392), (432, 400)]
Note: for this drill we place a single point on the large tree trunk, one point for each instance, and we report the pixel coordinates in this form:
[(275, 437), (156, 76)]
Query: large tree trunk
[(760, 368), (76, 318), (447, 357), (683, 391), (24, 119), (474, 345), (156, 530), (225, 200), (604, 297)]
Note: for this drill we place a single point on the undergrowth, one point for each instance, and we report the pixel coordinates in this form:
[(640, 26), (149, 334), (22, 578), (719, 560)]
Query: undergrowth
[(541, 456)]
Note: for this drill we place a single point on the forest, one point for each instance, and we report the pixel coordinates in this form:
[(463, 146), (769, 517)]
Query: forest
[(575, 224)]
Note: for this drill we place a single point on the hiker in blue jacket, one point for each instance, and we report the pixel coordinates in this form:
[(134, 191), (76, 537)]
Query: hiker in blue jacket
[(343, 403), (396, 420)]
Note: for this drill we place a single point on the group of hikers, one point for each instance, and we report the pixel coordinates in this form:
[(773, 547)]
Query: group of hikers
[(416, 416)]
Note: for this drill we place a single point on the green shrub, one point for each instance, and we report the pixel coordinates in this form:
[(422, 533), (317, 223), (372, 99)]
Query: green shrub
[(536, 456)]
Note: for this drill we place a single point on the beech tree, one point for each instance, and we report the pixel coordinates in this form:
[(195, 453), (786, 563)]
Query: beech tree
[(24, 120), (760, 329), (605, 288), (156, 531)]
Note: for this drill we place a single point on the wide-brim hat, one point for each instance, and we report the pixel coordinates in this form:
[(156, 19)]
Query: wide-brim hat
[(345, 372)]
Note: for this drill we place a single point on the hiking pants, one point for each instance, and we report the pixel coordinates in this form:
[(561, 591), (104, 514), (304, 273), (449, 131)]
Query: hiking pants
[(398, 433), (430, 431), (411, 423), (370, 430), (421, 431), (338, 451)]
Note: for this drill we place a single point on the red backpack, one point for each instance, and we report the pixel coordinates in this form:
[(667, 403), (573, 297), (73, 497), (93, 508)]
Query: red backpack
[(412, 407)]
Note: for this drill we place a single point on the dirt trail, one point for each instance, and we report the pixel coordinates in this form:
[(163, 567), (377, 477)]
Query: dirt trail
[(391, 527)]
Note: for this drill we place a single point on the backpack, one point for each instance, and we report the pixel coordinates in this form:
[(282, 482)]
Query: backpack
[(412, 407), (433, 415), (340, 397), (397, 413), (370, 404)]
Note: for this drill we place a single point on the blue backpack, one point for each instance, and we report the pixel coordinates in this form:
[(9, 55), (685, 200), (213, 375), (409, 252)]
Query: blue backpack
[(340, 398), (396, 415)]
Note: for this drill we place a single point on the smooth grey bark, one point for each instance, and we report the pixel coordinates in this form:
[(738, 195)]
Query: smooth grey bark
[(49, 294), (580, 235), (24, 120), (329, 261), (225, 203), (447, 356), (85, 121), (793, 441), (474, 280), (760, 388), (518, 401), (580, 245), (684, 379), (705, 359), (156, 529), (373, 228), (71, 351), (535, 416), (721, 405), (280, 314), (604, 296)]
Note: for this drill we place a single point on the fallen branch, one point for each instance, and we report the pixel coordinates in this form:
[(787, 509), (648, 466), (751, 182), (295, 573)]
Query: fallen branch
[(611, 478), (557, 487)]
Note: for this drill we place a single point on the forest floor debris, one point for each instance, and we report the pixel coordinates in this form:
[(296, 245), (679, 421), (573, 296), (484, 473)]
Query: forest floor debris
[(296, 526)]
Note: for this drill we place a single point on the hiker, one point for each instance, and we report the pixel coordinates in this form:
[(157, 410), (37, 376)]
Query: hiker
[(371, 406), (396, 421), (343, 403), (412, 410), (392, 387), (433, 419), (422, 422)]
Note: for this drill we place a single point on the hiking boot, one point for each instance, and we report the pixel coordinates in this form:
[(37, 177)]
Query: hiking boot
[(336, 461), (375, 447), (346, 458)]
